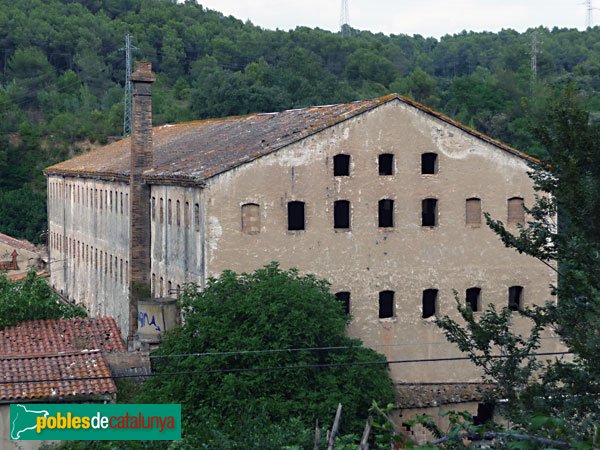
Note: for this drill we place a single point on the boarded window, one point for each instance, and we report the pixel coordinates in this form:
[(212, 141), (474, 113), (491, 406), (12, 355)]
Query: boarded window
[(429, 302), (386, 164), (474, 298), (251, 218), (341, 214), (341, 165), (473, 211), (429, 212), (197, 217), (186, 215), (386, 304), (344, 299), (516, 211), (386, 213), (178, 213), (515, 298), (429, 163), (169, 213), (295, 215)]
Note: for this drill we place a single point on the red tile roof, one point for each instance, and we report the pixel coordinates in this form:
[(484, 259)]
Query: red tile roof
[(36, 352), (26, 378), (51, 337), (189, 153)]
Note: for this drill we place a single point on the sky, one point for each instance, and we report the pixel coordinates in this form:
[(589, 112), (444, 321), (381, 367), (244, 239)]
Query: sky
[(425, 17)]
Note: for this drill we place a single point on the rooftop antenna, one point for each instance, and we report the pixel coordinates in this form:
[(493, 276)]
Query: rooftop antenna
[(344, 18), (127, 100)]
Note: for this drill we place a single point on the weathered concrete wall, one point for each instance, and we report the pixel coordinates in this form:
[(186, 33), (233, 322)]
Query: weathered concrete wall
[(367, 259), (88, 242), (177, 238)]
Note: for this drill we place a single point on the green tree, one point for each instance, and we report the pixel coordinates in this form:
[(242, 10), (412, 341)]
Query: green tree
[(270, 309), (31, 299)]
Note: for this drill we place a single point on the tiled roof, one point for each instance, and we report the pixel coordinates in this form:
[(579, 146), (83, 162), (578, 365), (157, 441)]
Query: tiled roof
[(18, 377), (50, 337), (17, 243), (192, 152), (427, 395)]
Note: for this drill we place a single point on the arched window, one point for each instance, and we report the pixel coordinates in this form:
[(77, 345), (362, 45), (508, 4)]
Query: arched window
[(473, 211), (429, 163), (386, 304), (429, 302), (344, 298), (515, 298), (474, 298), (251, 218), (295, 216), (386, 164), (429, 212), (341, 165), (516, 211), (386, 213), (341, 214)]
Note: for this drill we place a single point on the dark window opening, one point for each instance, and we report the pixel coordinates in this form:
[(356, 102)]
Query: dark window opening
[(429, 163), (386, 213), (386, 304), (341, 165), (386, 164), (341, 214), (429, 302), (474, 298), (485, 413), (295, 216), (429, 212), (344, 298), (515, 298)]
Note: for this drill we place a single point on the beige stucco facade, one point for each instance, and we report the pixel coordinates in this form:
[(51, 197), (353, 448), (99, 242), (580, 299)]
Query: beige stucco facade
[(197, 232)]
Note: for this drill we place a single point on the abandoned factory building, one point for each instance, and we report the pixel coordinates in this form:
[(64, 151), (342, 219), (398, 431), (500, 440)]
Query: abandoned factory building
[(384, 198)]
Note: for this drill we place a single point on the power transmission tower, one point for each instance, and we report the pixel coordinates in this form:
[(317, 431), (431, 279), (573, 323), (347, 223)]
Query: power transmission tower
[(534, 54), (344, 18), (127, 100), (590, 14)]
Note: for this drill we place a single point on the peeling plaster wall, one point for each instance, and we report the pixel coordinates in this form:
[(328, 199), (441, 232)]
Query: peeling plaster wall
[(365, 259), (88, 236), (177, 250)]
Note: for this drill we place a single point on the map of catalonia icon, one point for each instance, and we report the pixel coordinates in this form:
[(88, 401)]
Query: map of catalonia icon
[(24, 420)]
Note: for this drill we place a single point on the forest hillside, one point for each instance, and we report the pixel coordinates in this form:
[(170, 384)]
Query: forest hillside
[(62, 71)]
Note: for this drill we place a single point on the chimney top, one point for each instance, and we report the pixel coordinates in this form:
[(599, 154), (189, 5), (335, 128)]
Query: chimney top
[(143, 72)]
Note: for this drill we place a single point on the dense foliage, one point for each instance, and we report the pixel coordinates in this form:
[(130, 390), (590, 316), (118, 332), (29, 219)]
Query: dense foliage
[(62, 73), (558, 400), (30, 299), (246, 397)]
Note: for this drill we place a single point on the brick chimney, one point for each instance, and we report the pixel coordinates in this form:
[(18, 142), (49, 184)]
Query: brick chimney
[(139, 192)]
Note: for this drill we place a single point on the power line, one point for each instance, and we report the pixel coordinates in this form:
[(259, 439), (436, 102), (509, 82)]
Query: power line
[(270, 368)]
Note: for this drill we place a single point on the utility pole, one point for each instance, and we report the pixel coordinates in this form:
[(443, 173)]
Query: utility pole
[(344, 18), (127, 100)]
